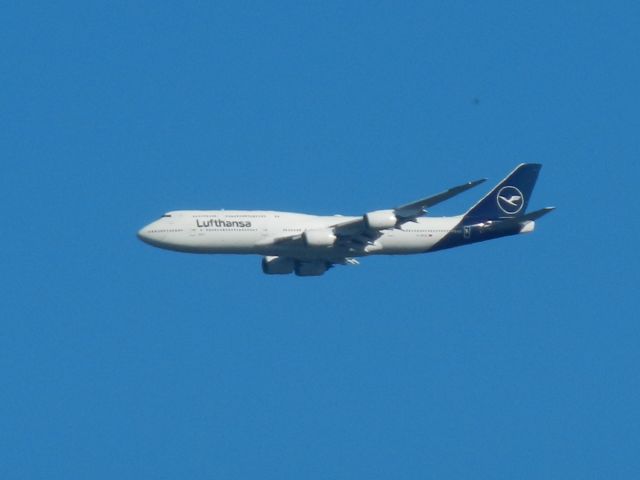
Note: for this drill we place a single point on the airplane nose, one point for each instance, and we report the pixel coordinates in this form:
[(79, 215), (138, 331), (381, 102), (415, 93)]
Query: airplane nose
[(143, 235)]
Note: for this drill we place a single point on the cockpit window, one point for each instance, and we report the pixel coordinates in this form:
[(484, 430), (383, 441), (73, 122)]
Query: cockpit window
[(165, 216)]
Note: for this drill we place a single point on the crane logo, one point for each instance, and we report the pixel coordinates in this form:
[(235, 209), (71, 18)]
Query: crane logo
[(510, 200)]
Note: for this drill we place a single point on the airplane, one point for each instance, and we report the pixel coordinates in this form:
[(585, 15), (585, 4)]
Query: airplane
[(309, 245)]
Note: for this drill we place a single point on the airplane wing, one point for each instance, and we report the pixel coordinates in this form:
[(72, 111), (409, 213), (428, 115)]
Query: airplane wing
[(366, 228), (418, 208), (371, 223)]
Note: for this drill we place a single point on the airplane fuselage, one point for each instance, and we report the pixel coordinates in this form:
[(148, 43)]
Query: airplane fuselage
[(256, 232)]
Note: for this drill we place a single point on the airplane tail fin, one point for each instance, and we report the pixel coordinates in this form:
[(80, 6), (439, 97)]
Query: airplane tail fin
[(508, 199)]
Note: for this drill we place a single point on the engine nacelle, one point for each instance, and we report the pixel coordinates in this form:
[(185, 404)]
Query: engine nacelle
[(277, 265), (381, 219), (319, 238), (311, 269)]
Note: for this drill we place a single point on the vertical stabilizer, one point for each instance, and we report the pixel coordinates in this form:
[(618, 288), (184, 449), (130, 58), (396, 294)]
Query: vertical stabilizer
[(508, 199)]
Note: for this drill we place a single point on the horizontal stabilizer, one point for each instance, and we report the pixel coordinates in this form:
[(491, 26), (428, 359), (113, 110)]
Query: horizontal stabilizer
[(534, 215), (525, 222)]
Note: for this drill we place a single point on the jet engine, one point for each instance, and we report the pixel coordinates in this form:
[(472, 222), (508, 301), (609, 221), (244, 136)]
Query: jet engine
[(381, 219), (311, 269), (277, 265), (319, 238)]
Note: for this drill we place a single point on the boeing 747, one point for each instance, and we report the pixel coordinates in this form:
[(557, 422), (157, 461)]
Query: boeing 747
[(308, 245)]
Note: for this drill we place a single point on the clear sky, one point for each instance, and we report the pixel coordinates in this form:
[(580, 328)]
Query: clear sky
[(517, 358)]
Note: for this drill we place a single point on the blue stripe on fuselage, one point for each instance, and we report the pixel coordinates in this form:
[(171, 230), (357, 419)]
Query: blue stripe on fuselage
[(476, 233)]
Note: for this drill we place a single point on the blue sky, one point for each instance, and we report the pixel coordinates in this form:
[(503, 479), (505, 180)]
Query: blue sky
[(516, 358)]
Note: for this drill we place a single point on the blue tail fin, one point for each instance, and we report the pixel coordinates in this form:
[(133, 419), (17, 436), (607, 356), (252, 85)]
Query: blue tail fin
[(510, 197)]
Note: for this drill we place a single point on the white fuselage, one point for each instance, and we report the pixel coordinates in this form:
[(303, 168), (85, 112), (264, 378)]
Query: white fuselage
[(257, 232)]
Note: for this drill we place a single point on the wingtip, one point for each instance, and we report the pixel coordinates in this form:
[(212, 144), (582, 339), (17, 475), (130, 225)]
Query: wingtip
[(477, 182)]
